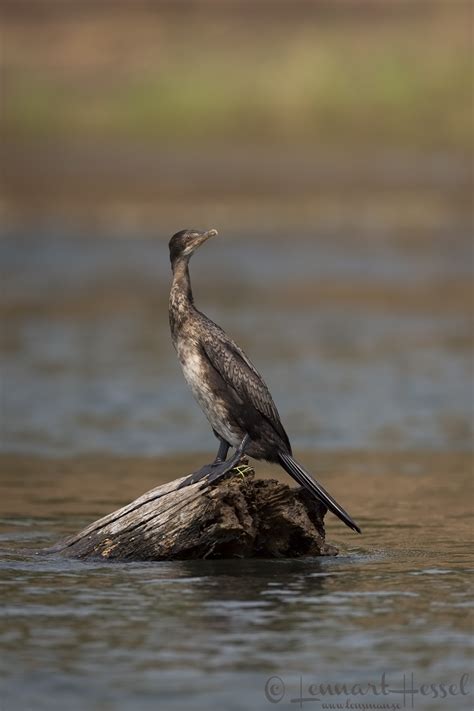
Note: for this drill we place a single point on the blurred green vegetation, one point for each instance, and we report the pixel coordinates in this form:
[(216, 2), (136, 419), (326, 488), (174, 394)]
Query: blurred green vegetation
[(155, 76)]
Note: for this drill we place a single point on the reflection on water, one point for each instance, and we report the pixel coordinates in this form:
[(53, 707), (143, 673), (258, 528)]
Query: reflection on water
[(194, 634), (364, 341)]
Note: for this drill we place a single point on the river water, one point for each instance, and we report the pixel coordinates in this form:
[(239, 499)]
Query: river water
[(365, 343)]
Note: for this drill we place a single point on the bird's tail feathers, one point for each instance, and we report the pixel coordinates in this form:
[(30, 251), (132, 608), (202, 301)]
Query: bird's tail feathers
[(305, 480)]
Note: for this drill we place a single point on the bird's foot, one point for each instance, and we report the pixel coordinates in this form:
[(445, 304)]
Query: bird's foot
[(201, 473), (218, 469)]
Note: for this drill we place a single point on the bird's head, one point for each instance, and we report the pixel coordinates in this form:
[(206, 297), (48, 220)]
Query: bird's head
[(184, 243)]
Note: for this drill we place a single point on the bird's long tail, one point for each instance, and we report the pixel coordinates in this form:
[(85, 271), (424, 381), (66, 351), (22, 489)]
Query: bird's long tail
[(304, 479)]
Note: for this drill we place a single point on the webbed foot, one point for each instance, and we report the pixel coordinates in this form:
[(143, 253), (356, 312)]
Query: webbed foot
[(218, 468), (201, 473)]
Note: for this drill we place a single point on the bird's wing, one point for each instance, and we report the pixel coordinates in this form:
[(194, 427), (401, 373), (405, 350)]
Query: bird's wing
[(238, 372)]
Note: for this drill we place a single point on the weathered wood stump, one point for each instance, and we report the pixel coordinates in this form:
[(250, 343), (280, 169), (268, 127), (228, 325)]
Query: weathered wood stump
[(239, 517)]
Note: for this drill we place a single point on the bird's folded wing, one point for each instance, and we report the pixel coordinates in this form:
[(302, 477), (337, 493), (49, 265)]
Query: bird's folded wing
[(238, 372)]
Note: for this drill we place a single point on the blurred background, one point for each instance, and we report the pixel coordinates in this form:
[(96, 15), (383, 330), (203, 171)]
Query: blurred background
[(328, 142)]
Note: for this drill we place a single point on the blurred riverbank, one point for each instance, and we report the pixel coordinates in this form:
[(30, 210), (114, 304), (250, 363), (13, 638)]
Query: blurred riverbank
[(166, 114), (117, 189)]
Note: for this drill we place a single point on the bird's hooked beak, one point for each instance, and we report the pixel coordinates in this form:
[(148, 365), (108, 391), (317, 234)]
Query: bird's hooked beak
[(198, 239), (205, 235)]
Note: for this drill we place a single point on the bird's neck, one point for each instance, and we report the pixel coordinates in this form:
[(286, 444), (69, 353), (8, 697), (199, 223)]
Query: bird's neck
[(181, 295)]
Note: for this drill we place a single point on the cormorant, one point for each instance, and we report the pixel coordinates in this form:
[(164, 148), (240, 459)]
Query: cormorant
[(229, 389)]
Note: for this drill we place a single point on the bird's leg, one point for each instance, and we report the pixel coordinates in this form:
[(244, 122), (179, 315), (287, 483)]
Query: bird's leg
[(221, 455), (218, 469)]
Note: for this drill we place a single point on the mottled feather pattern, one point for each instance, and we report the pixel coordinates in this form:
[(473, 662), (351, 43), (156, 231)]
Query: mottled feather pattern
[(238, 372)]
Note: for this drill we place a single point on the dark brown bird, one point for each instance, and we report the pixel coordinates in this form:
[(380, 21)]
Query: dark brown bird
[(229, 389)]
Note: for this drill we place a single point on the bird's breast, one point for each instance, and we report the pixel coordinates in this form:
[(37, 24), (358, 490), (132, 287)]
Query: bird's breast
[(192, 363), (198, 374)]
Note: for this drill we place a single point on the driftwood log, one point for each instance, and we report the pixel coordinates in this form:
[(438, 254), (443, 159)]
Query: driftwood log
[(239, 517)]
